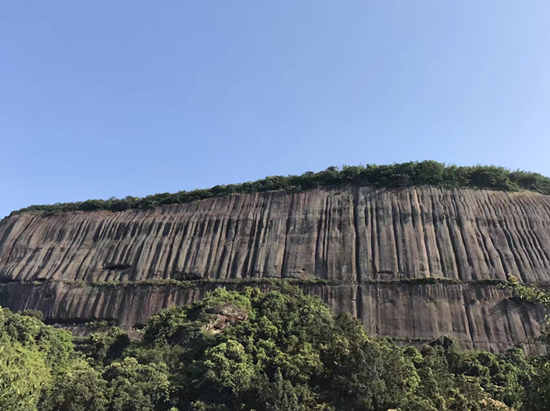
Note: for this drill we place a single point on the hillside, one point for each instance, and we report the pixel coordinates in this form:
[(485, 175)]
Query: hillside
[(413, 263)]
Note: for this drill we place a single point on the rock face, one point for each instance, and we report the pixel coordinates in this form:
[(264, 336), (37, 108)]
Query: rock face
[(413, 263)]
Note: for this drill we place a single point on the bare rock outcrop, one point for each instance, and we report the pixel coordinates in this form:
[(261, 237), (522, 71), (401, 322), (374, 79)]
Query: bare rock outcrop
[(412, 263)]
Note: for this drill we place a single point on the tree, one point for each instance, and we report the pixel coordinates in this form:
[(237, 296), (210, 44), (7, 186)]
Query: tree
[(23, 374), (135, 386), (79, 388)]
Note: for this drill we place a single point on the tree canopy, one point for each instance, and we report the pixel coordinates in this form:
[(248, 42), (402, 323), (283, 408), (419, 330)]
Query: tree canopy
[(261, 350)]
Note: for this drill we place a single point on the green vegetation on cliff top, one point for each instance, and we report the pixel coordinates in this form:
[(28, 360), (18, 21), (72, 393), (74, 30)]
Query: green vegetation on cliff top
[(382, 176)]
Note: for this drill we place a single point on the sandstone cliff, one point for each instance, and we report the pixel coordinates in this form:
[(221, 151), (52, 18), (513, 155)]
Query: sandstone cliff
[(412, 263)]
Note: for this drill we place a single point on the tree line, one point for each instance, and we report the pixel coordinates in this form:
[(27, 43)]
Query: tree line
[(382, 176)]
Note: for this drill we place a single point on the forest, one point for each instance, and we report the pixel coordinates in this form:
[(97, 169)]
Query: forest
[(253, 349), (382, 176)]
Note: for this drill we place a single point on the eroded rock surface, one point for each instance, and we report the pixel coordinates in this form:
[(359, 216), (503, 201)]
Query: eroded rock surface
[(369, 252)]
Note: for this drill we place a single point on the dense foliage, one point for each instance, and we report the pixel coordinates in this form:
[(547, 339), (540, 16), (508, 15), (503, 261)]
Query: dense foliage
[(276, 350), (390, 176), (538, 392)]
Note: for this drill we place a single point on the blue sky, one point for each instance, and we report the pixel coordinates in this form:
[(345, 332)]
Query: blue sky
[(116, 98)]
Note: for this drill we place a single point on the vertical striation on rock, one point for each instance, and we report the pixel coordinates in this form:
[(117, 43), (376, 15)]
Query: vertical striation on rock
[(363, 250)]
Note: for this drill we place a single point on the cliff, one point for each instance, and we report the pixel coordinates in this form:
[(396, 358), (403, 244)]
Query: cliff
[(411, 263)]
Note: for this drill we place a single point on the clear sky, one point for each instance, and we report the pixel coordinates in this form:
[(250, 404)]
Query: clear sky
[(114, 98)]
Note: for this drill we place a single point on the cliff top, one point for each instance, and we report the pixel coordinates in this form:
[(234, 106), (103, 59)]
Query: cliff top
[(384, 176)]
